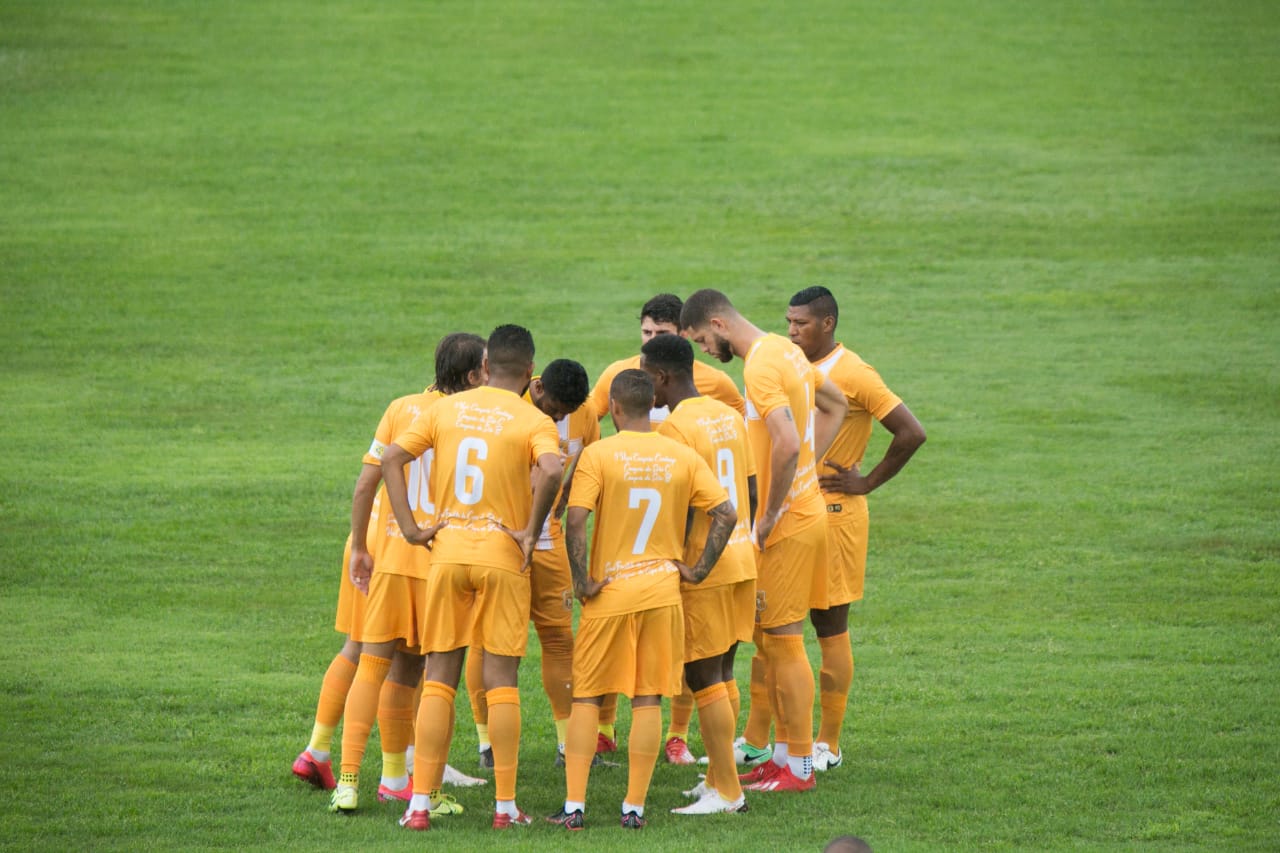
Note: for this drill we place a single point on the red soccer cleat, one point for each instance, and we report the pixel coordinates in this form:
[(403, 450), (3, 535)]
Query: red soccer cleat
[(317, 773), (784, 780), (418, 820), (677, 751)]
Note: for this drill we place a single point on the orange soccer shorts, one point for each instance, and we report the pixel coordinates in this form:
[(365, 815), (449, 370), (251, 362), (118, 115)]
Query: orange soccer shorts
[(551, 587), (636, 654), (394, 610), (791, 575), (495, 601), (717, 617), (847, 549)]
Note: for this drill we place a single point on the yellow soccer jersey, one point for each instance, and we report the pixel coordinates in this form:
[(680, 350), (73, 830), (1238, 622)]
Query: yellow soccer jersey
[(709, 381), (486, 440), (719, 436), (391, 553), (640, 485), (776, 374), (576, 431), (869, 399)]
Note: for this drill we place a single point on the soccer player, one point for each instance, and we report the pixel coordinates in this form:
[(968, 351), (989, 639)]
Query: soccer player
[(497, 471), (393, 575), (661, 316), (560, 393), (457, 367), (793, 414), (720, 612), (811, 325), (640, 485)]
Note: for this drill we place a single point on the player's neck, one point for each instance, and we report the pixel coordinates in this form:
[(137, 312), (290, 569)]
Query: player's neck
[(743, 336), (515, 385), (638, 424), (823, 350), (676, 396)]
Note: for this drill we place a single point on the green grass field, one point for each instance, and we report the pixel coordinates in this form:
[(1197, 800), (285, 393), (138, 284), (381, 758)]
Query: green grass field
[(231, 233)]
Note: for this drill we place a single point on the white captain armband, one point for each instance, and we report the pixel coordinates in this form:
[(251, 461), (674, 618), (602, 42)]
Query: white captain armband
[(377, 449)]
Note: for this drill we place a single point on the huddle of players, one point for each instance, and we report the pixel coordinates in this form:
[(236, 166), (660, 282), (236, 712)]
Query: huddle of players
[(671, 505)]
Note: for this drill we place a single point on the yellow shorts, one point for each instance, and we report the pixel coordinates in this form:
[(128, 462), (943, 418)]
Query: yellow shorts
[(396, 610), (791, 575), (636, 654), (551, 587), (847, 549), (351, 601), (495, 601), (717, 617)]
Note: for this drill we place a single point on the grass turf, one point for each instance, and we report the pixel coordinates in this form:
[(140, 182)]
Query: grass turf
[(229, 234)]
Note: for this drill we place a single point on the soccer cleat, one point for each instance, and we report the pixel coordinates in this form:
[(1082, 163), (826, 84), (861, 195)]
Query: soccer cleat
[(486, 758), (824, 759), (698, 791), (745, 753), (458, 779), (604, 743), (386, 795), (502, 820), (713, 803), (631, 820), (445, 805), (345, 799), (418, 820), (677, 751), (784, 780), (317, 773), (572, 821), (760, 773)]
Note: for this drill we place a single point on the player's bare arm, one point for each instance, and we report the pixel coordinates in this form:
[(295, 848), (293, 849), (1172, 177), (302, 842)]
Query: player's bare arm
[(575, 540), (753, 497), (546, 475), (723, 519), (361, 565), (908, 435), (829, 417), (784, 453), (393, 461)]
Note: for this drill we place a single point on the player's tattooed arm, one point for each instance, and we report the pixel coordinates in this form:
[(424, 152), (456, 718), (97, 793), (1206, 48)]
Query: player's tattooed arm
[(575, 540), (723, 519)]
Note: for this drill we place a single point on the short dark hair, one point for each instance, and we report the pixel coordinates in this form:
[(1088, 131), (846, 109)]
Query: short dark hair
[(633, 390), (663, 308), (818, 300), (702, 306), (566, 381), (671, 353), (457, 355), (510, 350)]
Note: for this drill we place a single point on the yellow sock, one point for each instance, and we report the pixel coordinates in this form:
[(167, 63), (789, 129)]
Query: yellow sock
[(681, 713), (644, 741), (562, 731)]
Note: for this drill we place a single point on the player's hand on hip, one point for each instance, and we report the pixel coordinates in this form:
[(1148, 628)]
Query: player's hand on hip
[(589, 588), (848, 481), (423, 535)]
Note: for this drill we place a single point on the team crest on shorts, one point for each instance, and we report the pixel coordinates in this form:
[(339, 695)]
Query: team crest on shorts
[(566, 598), (760, 602)]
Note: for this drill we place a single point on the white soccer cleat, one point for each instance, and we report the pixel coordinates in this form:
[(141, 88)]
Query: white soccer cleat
[(744, 753), (698, 791), (824, 759), (713, 803), (461, 780)]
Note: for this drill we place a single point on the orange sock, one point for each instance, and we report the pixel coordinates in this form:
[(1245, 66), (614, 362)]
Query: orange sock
[(609, 715), (475, 686), (835, 679), (735, 702), (795, 691), (644, 741), (434, 727), (557, 668), (504, 734), (579, 750), (333, 698), (395, 716), (759, 715), (361, 709), (716, 720), (681, 713)]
